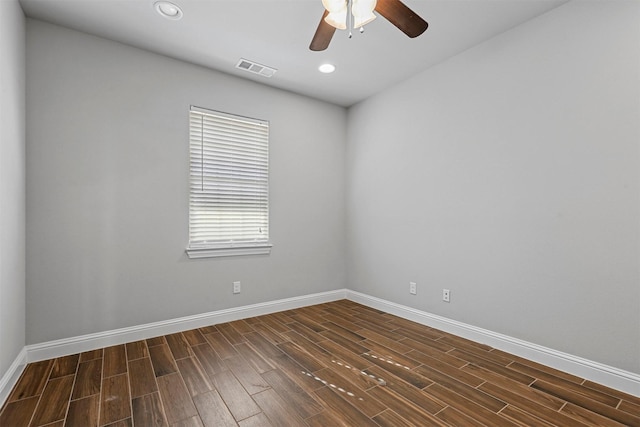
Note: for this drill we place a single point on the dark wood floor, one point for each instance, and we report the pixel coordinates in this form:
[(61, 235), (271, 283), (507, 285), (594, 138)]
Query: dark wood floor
[(335, 364)]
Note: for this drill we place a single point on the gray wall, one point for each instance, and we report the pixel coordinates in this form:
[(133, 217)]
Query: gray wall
[(107, 189), (12, 183), (510, 174)]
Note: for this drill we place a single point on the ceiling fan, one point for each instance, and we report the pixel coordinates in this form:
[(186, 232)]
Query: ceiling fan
[(337, 16)]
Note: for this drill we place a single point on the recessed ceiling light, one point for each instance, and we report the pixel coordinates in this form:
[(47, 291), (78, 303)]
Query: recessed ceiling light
[(168, 10), (327, 68)]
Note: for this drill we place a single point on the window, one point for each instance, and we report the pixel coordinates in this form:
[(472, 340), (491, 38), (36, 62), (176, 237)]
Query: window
[(228, 185)]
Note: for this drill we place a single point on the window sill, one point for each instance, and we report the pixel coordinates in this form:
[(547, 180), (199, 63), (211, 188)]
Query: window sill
[(223, 251)]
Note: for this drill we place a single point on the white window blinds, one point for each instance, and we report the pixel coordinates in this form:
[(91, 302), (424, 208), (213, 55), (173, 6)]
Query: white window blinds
[(229, 182)]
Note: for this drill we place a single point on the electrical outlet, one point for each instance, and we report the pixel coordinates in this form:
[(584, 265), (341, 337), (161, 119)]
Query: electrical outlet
[(413, 290), (446, 295), (236, 287)]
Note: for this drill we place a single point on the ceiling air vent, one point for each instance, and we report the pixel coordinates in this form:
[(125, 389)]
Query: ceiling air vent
[(255, 68)]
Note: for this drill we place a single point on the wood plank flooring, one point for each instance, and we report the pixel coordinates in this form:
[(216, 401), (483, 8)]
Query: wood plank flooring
[(334, 364)]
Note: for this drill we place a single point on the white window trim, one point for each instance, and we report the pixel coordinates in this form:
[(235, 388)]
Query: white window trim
[(230, 248), (224, 251)]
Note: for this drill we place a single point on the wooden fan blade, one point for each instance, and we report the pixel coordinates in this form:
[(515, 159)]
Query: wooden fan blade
[(323, 35), (402, 17)]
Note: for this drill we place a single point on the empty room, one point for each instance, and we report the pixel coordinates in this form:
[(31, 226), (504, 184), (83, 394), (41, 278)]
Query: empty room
[(319, 213)]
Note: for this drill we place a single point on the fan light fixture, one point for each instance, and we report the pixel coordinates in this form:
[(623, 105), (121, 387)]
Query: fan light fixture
[(352, 14), (361, 10)]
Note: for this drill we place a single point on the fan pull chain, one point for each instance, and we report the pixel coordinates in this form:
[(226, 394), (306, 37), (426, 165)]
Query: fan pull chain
[(350, 17)]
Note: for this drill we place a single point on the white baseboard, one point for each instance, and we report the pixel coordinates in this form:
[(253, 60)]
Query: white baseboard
[(627, 382), (609, 376), (73, 345), (10, 378)]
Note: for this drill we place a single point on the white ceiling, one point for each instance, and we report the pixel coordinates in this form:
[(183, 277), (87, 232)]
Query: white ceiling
[(277, 33)]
